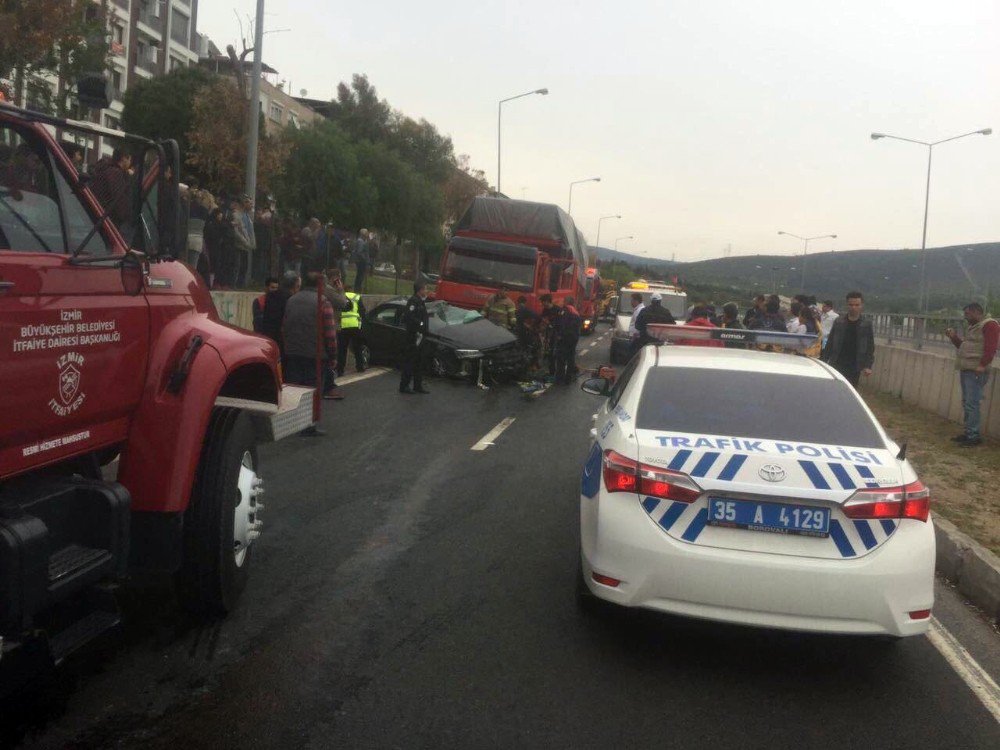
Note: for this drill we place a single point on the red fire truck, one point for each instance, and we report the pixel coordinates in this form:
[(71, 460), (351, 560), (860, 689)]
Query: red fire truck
[(129, 414), (529, 248)]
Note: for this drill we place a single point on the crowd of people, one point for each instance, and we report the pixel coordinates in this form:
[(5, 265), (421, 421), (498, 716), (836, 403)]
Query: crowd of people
[(286, 312), (549, 337), (845, 341)]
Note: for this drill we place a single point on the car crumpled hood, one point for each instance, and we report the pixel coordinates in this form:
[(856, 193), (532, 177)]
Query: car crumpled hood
[(479, 334)]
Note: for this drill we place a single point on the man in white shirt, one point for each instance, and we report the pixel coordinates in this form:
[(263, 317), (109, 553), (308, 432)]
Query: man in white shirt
[(637, 307), (826, 319)]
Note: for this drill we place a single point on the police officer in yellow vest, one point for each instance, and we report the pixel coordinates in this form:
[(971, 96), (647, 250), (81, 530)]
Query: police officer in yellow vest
[(500, 309), (349, 332)]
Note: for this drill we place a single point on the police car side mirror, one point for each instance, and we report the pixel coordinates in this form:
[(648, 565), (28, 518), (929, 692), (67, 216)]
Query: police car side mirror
[(596, 386)]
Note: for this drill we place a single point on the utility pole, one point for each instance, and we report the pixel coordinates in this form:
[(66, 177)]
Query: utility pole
[(253, 114)]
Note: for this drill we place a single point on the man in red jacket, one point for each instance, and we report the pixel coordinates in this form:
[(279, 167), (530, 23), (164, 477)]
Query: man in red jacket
[(700, 319), (976, 351)]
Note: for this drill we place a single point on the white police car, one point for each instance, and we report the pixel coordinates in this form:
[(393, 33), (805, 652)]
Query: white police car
[(754, 488)]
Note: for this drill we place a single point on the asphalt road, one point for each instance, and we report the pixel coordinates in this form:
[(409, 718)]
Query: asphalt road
[(411, 592)]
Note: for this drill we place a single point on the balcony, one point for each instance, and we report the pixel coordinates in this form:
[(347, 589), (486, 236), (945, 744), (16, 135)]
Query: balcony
[(147, 18)]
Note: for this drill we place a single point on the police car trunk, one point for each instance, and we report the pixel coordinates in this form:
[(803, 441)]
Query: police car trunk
[(781, 463)]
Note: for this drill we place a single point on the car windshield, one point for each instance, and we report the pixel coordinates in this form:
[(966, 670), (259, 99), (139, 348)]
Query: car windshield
[(755, 405), (489, 269), (452, 316)]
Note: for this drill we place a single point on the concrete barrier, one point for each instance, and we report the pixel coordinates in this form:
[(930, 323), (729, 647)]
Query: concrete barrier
[(236, 308), (929, 381)]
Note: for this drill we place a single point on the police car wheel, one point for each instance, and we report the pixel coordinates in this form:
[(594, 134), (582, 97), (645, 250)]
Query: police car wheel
[(217, 549)]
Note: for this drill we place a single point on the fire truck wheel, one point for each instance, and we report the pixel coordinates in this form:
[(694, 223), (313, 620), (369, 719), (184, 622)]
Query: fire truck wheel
[(221, 521)]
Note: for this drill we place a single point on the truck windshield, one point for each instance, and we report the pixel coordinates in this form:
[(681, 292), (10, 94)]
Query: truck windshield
[(486, 268)]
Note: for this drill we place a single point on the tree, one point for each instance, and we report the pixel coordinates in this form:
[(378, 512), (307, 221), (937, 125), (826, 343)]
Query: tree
[(322, 178), (28, 31), (64, 38), (218, 141), (463, 184), (360, 112), (163, 107)]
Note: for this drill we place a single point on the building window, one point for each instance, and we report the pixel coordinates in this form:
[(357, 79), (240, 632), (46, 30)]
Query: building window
[(276, 112), (293, 119), (112, 122), (179, 28), (116, 83)]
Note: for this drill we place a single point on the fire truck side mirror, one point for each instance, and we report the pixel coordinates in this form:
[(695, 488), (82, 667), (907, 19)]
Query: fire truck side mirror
[(133, 267)]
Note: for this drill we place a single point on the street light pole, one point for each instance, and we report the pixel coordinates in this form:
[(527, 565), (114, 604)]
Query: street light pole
[(927, 199), (569, 208), (253, 116), (597, 243), (543, 92), (805, 250), (630, 237)]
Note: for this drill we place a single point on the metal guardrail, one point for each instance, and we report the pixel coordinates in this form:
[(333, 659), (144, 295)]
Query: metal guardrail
[(917, 330)]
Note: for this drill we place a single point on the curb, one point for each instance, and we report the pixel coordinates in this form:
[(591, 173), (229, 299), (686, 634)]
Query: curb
[(970, 566)]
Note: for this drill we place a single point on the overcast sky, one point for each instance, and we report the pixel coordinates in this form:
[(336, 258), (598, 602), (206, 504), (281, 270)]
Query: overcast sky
[(711, 122)]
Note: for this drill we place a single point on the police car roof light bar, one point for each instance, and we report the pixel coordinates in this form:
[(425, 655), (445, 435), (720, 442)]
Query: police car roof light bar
[(679, 334)]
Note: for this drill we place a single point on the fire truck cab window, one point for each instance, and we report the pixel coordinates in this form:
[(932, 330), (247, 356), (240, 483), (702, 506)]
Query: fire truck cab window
[(38, 211)]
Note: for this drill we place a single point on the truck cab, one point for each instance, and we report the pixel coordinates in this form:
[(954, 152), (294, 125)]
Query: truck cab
[(131, 413), (531, 249)]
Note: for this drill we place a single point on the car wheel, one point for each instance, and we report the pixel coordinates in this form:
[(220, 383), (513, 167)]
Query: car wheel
[(443, 364), (221, 521), (366, 354)]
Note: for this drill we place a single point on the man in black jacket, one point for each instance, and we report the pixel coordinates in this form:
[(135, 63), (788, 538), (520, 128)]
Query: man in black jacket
[(654, 312), (851, 346), (416, 322)]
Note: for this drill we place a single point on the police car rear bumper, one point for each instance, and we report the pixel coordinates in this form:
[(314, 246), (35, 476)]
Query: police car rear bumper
[(870, 595)]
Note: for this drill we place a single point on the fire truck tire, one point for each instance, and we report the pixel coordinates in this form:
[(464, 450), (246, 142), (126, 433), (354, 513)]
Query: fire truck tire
[(212, 577)]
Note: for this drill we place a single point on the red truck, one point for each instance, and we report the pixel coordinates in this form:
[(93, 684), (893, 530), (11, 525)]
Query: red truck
[(129, 414), (530, 248)]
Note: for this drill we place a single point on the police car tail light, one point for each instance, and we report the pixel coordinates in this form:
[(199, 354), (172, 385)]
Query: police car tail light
[(912, 501), (621, 474), (670, 485)]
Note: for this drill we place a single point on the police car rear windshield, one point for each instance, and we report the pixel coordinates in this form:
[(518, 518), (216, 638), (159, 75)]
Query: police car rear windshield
[(754, 405)]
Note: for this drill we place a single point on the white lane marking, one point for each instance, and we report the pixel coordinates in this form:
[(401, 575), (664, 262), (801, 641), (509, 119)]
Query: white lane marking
[(966, 667), (493, 434), (372, 372)]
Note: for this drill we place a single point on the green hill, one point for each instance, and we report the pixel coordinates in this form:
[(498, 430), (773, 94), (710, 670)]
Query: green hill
[(889, 279)]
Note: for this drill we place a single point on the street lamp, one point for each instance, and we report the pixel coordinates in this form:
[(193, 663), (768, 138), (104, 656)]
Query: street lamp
[(597, 243), (805, 249), (543, 92), (630, 237), (927, 199), (569, 210)]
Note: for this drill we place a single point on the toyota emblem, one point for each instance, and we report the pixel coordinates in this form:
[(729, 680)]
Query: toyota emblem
[(772, 473)]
